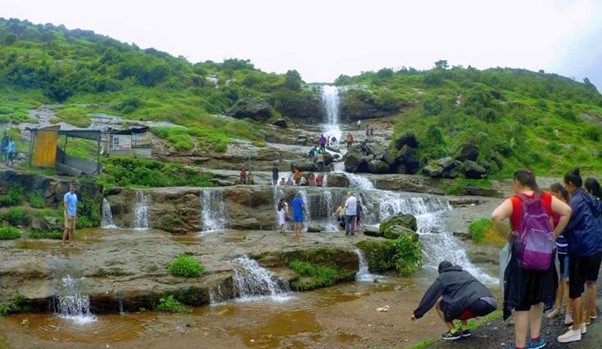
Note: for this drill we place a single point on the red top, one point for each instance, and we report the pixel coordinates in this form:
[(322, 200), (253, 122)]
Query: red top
[(546, 200)]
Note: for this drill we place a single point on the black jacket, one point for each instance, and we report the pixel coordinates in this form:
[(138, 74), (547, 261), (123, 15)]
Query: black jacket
[(458, 288)]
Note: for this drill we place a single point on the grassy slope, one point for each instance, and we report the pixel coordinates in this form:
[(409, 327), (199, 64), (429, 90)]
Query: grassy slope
[(521, 117)]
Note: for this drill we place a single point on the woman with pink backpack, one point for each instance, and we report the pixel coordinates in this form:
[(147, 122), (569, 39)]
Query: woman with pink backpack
[(530, 277)]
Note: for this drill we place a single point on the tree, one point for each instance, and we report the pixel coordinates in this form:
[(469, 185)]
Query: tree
[(441, 64), (292, 80)]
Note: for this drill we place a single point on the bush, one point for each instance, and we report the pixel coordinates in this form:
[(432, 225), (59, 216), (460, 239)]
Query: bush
[(409, 254), (171, 305), (18, 306), (17, 216), (9, 233), (186, 266), (482, 231), (14, 197), (36, 200)]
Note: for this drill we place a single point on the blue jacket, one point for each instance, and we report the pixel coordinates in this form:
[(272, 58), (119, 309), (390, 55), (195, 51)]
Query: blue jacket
[(584, 230)]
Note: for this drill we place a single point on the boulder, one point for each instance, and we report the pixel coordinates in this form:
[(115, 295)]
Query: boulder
[(355, 161), (395, 231), (253, 108), (313, 228), (371, 231), (281, 123), (433, 170), (472, 170), (389, 158), (468, 152), (447, 163), (337, 180), (378, 166), (408, 138), (400, 219), (46, 224), (408, 158)]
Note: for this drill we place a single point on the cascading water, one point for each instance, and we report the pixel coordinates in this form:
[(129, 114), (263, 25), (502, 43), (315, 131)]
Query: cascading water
[(363, 273), (330, 99), (107, 216), (359, 182), (251, 282), (140, 212), (71, 304), (213, 210)]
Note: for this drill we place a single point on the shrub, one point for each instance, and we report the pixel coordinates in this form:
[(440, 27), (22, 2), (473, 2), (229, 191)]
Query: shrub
[(409, 254), (186, 266), (482, 231), (9, 233), (17, 216), (14, 197), (36, 200), (17, 306), (171, 305)]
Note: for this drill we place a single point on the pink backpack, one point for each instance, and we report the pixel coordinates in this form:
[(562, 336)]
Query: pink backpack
[(535, 235)]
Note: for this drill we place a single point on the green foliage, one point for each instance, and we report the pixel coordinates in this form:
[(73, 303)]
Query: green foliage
[(432, 106), (36, 200), (186, 266), (17, 306), (16, 216), (482, 231), (89, 211), (177, 135), (379, 254), (74, 115), (316, 276), (9, 233), (409, 254), (14, 197), (171, 305), (127, 172), (53, 235)]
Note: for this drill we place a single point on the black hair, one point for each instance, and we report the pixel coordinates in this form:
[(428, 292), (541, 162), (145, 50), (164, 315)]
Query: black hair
[(559, 188), (574, 176), (443, 266), (526, 178), (593, 187)]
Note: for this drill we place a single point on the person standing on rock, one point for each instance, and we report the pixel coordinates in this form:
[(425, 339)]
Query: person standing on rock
[(70, 211), (349, 139), (243, 176), (275, 174), (298, 206), (282, 215), (4, 148), (322, 141), (350, 212), (457, 295)]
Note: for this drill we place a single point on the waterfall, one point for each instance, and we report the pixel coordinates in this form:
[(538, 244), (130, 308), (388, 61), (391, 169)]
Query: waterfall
[(140, 212), (331, 102), (363, 273), (107, 216), (213, 210), (359, 182), (251, 281), (71, 304)]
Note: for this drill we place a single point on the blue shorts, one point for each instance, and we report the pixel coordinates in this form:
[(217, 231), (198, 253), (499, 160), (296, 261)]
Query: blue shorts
[(563, 261), (298, 218)]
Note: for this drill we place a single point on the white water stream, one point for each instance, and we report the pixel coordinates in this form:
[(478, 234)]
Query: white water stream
[(107, 216), (140, 212), (71, 304)]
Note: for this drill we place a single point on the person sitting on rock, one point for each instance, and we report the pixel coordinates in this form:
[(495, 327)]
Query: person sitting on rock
[(456, 295), (312, 151), (320, 180), (340, 215), (297, 176), (289, 182), (282, 181), (333, 141), (243, 176)]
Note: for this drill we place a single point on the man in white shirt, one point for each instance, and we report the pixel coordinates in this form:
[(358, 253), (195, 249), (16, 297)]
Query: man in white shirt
[(350, 212)]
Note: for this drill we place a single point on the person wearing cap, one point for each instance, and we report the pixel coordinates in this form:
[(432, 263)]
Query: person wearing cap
[(457, 295)]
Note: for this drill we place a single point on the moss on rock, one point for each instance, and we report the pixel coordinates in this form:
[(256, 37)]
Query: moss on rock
[(379, 254)]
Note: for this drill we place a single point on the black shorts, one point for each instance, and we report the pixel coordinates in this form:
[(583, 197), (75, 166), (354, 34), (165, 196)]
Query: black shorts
[(582, 269), (529, 284), (476, 309)]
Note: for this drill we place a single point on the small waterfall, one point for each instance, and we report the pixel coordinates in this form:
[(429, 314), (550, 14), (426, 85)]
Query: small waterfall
[(251, 280), (71, 304), (359, 182), (140, 212), (213, 210), (107, 216), (363, 274)]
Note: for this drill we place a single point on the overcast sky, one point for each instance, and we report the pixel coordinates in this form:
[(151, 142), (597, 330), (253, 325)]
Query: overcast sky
[(325, 38)]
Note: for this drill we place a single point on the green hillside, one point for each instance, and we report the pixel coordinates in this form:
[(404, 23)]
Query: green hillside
[(516, 117)]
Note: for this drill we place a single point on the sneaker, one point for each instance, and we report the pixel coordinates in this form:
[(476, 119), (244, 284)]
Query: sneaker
[(466, 333), (451, 336), (537, 345), (568, 319), (553, 314), (570, 336), (582, 328)]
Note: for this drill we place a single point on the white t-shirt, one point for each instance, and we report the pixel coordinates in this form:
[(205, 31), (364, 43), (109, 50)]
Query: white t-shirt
[(351, 206)]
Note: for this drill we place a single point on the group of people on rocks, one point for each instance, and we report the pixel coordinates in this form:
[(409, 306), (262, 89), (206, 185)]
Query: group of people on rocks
[(348, 214), (563, 223)]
